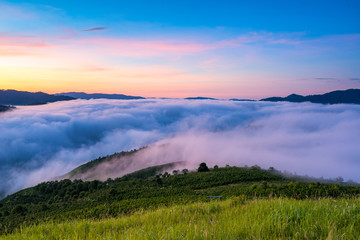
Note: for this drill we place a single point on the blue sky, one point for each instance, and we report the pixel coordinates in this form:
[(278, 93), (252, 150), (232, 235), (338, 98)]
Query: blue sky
[(215, 48), (314, 17)]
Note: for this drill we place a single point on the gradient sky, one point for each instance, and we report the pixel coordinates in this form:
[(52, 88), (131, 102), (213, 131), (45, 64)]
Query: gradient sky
[(224, 49)]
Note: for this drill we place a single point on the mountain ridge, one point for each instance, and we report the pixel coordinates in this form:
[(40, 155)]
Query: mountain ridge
[(4, 108), (334, 97), (119, 164), (200, 98), (14, 97), (83, 95)]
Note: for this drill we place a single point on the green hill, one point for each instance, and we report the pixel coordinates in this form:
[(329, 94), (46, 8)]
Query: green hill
[(149, 172), (118, 165), (63, 200), (88, 171)]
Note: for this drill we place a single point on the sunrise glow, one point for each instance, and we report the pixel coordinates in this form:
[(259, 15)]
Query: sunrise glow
[(60, 47)]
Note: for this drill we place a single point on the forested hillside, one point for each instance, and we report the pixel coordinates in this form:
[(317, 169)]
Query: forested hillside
[(66, 199), (88, 171)]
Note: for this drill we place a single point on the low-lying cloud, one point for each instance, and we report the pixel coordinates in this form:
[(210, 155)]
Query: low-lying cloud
[(38, 143)]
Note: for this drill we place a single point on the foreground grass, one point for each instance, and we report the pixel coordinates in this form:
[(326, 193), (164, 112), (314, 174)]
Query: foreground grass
[(234, 218)]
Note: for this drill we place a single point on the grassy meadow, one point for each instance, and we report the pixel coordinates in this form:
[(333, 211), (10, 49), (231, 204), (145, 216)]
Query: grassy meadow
[(234, 218)]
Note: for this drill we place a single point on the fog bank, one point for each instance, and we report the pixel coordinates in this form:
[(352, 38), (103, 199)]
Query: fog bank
[(38, 143)]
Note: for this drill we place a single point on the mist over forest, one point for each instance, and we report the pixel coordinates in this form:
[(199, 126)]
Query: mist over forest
[(39, 143)]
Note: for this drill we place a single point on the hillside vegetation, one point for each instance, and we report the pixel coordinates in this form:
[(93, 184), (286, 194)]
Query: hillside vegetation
[(235, 218), (117, 165), (89, 169), (63, 200)]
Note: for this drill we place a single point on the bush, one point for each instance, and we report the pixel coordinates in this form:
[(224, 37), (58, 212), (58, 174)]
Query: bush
[(19, 209), (203, 167)]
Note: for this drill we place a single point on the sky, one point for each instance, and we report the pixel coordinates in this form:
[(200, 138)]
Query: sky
[(222, 49)]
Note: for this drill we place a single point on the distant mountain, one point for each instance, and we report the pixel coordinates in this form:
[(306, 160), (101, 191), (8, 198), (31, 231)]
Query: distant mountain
[(240, 100), (340, 96), (82, 95), (13, 97), (5, 108), (200, 98)]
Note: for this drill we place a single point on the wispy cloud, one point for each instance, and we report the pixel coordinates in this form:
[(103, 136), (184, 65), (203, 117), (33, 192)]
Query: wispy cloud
[(95, 29), (325, 78), (137, 47), (144, 48), (7, 40), (11, 46)]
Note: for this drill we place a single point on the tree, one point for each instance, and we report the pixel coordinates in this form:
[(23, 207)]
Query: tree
[(255, 167), (158, 180), (165, 175), (203, 167), (19, 209), (339, 180), (185, 171), (113, 192), (272, 170), (216, 167)]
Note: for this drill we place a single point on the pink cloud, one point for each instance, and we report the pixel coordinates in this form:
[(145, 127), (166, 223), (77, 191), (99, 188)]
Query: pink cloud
[(141, 48), (135, 47), (22, 45), (22, 41), (148, 48)]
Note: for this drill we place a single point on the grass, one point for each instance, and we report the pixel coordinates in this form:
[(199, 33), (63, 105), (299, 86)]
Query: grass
[(61, 200), (235, 218)]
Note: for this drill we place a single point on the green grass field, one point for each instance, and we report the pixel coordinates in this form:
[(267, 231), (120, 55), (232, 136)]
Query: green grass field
[(78, 203), (235, 218)]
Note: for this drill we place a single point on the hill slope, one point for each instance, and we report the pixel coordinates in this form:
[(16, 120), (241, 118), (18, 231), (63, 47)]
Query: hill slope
[(118, 165), (340, 96), (61, 200), (13, 97)]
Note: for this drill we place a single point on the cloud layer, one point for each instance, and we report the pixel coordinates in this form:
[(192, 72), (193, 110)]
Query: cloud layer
[(38, 143)]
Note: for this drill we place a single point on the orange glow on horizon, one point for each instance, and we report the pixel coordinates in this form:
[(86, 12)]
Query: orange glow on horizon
[(148, 68)]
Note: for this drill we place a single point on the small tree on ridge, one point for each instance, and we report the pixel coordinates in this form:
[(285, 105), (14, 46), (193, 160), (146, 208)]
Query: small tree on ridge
[(203, 167)]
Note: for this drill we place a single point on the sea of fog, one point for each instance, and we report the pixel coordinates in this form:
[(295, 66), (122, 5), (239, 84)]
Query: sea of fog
[(38, 143)]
